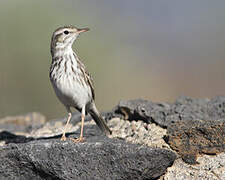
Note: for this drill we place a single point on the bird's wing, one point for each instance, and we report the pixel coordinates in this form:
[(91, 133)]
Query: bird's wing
[(87, 77)]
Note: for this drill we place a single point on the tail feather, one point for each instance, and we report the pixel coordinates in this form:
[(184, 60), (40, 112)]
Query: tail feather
[(99, 120)]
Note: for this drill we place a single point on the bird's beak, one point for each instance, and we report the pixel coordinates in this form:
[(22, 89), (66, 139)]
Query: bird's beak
[(82, 30)]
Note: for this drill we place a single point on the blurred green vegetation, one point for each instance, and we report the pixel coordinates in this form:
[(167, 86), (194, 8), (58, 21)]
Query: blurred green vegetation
[(130, 54)]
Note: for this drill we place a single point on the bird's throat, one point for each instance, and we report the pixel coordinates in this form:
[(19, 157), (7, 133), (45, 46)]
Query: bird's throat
[(62, 51)]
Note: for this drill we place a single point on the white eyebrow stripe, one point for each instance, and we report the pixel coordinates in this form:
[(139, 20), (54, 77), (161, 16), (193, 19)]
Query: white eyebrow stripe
[(59, 32)]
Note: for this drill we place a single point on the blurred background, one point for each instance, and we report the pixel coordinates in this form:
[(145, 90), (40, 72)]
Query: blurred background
[(156, 50)]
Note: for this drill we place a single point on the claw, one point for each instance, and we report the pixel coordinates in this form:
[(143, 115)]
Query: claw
[(78, 140), (63, 138)]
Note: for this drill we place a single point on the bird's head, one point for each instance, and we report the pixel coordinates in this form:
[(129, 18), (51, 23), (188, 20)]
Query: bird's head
[(64, 37)]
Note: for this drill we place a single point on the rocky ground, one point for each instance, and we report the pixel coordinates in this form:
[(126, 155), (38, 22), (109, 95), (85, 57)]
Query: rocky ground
[(180, 140)]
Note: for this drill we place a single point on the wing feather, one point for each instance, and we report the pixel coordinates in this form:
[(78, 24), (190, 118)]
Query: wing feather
[(87, 77)]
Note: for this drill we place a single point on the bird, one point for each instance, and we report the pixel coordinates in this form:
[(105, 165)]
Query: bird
[(71, 82)]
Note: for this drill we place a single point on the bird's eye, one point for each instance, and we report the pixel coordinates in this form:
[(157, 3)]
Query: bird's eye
[(66, 32)]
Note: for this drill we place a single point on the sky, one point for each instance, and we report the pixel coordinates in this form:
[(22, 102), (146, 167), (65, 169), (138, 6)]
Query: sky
[(155, 50)]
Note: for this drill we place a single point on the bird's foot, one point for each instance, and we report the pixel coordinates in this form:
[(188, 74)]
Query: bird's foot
[(77, 140), (63, 138)]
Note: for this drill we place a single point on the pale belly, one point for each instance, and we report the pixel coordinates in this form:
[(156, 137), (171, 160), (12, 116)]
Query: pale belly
[(72, 93)]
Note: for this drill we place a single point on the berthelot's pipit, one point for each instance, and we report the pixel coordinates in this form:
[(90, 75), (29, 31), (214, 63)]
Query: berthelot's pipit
[(71, 81)]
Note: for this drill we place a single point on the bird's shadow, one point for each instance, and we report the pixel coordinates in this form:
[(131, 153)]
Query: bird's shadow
[(9, 137)]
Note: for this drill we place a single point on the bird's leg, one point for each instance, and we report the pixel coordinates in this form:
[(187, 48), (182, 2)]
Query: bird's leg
[(82, 122), (81, 138), (63, 138)]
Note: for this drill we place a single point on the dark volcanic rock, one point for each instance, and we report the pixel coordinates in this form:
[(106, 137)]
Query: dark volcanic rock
[(190, 138), (145, 110), (184, 108), (197, 126), (216, 107), (97, 158), (194, 126)]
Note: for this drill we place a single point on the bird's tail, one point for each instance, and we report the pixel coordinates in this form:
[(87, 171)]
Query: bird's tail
[(99, 119)]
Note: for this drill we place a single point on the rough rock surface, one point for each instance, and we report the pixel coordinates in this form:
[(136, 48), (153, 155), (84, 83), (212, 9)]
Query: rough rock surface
[(209, 167), (190, 138), (184, 108), (98, 158), (194, 126), (140, 109), (138, 132)]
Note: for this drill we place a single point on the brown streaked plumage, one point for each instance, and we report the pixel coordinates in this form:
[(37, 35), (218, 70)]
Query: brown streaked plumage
[(70, 79)]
